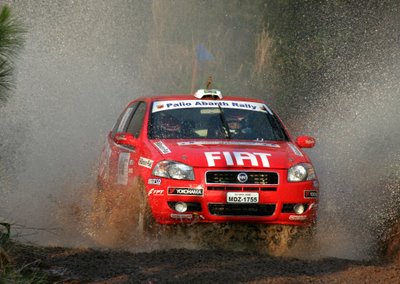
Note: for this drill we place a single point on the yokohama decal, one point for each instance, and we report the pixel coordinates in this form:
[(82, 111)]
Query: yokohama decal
[(185, 191), (238, 158)]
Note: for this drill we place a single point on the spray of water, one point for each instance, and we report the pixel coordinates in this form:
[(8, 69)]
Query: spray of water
[(74, 76), (358, 152)]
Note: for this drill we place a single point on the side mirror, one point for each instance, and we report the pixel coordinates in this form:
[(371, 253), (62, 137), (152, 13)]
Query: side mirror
[(125, 139), (305, 141)]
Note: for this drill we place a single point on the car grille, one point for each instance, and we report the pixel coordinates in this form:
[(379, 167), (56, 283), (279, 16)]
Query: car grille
[(242, 188), (231, 177), (241, 209)]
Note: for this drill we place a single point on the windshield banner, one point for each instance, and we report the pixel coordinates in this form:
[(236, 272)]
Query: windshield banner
[(182, 104)]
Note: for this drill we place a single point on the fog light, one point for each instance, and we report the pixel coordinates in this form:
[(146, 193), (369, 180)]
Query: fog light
[(181, 207), (298, 208)]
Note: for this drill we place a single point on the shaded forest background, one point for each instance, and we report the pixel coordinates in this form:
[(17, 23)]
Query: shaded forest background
[(288, 52), (291, 53)]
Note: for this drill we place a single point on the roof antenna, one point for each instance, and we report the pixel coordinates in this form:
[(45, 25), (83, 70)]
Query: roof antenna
[(209, 82)]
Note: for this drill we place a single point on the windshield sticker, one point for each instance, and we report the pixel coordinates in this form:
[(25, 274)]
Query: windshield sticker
[(144, 162), (237, 158), (200, 143), (295, 150), (123, 164), (162, 147), (183, 104)]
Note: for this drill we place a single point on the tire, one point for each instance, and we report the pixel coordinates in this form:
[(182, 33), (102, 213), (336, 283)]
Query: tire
[(121, 217), (145, 224)]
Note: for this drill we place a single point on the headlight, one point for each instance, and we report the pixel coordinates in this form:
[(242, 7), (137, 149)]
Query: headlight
[(301, 172), (172, 169)]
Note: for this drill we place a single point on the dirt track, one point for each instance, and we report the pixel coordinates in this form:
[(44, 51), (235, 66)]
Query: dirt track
[(82, 265), (174, 260)]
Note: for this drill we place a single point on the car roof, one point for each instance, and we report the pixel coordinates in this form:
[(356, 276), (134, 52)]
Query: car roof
[(169, 97)]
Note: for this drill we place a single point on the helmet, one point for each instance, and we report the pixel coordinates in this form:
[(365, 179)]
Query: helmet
[(236, 121), (169, 123)]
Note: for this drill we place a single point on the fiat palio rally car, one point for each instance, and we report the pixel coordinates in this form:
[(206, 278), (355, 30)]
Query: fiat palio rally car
[(207, 158)]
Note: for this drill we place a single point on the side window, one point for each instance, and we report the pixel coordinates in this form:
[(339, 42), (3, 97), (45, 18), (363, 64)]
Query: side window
[(136, 124), (120, 126)]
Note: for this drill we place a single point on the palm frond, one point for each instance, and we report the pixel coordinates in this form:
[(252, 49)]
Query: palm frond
[(11, 41)]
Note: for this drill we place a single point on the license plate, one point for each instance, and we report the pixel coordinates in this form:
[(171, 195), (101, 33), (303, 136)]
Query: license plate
[(242, 197)]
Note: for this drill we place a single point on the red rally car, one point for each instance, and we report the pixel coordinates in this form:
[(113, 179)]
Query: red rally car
[(207, 158)]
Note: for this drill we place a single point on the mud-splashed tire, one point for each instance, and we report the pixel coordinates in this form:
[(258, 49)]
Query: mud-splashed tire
[(145, 225), (121, 217)]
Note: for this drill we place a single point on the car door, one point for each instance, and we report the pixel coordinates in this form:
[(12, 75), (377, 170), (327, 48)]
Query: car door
[(124, 157)]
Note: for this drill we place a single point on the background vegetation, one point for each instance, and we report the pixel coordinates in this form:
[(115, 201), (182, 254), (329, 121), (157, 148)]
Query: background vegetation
[(11, 41)]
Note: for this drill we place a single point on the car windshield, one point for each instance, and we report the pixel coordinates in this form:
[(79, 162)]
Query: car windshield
[(216, 122)]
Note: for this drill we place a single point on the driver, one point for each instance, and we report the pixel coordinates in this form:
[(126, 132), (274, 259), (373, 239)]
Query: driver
[(238, 124)]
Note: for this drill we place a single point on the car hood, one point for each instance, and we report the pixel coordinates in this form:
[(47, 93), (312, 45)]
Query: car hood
[(231, 153)]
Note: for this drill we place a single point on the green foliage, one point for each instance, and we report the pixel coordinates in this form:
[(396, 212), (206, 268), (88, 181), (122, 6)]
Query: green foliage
[(4, 233), (11, 41), (9, 274)]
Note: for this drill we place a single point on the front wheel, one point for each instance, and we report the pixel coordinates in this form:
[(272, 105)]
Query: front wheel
[(121, 216)]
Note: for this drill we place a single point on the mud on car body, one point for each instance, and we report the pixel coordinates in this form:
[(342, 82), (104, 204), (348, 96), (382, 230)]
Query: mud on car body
[(208, 158)]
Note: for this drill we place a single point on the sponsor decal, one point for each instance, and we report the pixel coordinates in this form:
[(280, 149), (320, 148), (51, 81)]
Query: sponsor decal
[(179, 104), (200, 143), (123, 164), (238, 158), (156, 181), (155, 192), (181, 216), (295, 150), (144, 162), (185, 191), (310, 194), (162, 147), (297, 217)]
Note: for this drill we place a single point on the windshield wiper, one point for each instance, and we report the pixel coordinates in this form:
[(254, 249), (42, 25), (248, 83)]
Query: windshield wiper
[(225, 125)]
